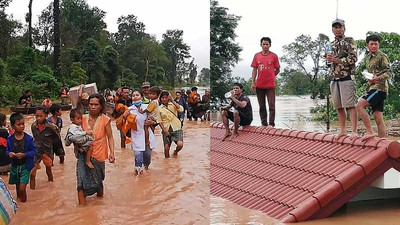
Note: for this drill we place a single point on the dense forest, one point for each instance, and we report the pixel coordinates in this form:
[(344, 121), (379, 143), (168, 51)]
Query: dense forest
[(70, 44)]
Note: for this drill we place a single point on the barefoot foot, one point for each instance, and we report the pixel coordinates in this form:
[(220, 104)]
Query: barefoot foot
[(234, 135), (227, 134), (367, 136), (339, 135), (353, 135)]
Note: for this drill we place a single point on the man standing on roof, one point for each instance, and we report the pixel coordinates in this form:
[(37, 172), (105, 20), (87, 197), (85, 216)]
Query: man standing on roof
[(265, 68), (342, 63), (378, 64), (242, 113)]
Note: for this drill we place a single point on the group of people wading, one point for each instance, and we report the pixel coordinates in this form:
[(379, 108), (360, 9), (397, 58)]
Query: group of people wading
[(136, 112), (342, 64)]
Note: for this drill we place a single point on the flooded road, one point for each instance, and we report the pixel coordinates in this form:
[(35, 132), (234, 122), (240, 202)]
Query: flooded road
[(173, 191), (294, 112)]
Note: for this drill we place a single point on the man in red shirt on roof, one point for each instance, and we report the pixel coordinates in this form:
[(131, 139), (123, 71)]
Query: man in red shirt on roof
[(265, 68)]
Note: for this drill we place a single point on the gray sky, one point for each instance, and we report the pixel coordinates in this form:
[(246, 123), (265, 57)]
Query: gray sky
[(284, 20), (191, 16)]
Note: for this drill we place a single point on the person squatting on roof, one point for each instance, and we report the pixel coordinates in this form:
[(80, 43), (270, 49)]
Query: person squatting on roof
[(241, 115)]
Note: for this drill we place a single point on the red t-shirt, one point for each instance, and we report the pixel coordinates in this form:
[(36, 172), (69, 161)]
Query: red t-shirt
[(265, 65), (41, 126)]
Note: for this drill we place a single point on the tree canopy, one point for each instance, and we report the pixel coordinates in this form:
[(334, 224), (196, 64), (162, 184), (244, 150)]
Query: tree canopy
[(71, 45), (224, 52)]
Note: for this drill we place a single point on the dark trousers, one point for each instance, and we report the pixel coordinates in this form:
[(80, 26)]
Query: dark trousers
[(270, 94)]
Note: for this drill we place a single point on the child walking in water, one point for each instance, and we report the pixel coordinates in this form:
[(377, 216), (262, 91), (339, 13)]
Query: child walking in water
[(55, 118), (44, 133), (76, 135), (21, 149)]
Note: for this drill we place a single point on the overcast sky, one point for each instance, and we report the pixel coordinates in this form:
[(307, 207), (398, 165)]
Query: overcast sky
[(191, 16), (284, 20)]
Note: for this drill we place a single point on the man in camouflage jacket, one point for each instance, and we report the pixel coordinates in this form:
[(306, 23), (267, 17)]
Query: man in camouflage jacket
[(378, 64), (342, 64)]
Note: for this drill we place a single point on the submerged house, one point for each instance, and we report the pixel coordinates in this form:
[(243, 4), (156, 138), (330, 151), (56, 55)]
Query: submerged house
[(296, 176)]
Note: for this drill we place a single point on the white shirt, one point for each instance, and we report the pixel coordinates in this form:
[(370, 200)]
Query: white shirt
[(138, 137), (76, 130)]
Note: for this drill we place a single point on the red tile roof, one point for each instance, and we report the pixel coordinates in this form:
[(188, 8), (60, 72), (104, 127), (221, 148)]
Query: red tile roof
[(295, 175)]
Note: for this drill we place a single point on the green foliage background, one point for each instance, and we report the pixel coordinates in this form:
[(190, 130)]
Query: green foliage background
[(89, 53)]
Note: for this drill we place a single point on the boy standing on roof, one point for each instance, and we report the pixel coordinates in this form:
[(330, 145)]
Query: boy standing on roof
[(378, 64)]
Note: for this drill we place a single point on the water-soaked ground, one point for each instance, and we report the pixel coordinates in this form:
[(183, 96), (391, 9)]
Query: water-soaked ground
[(173, 191), (293, 112)]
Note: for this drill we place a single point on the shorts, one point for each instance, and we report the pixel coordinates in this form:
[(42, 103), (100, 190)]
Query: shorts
[(343, 94), (376, 99), (47, 160), (244, 120), (174, 136), (19, 175)]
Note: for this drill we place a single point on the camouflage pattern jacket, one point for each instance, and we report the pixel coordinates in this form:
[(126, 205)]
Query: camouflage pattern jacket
[(378, 64), (345, 50)]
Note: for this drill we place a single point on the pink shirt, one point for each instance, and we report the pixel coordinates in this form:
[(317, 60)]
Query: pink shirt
[(265, 65)]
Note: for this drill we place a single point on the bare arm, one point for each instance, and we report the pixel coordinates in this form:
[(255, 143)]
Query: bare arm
[(253, 79), (111, 157), (241, 104)]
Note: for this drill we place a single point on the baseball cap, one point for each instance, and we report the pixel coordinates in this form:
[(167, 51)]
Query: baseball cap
[(85, 96), (146, 84), (339, 21)]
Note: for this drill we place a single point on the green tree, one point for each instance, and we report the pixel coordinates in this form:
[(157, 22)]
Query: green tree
[(154, 57), (224, 51), (45, 30), (4, 4), (129, 28), (192, 73), (57, 38), (29, 20), (177, 52), (204, 77), (9, 42), (293, 82), (92, 62), (24, 63), (299, 52), (111, 66), (79, 22), (78, 75)]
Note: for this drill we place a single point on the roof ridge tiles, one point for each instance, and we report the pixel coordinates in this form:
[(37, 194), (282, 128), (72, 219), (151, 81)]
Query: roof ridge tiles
[(274, 131)]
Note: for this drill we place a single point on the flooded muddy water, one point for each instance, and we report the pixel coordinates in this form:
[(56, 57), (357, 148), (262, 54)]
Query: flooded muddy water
[(173, 191), (294, 112)]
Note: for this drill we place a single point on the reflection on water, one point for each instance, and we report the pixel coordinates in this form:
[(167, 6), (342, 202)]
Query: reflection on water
[(173, 191), (293, 112)]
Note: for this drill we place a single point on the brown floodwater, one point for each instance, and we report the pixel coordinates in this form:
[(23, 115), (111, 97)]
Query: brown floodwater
[(173, 191), (294, 112)]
